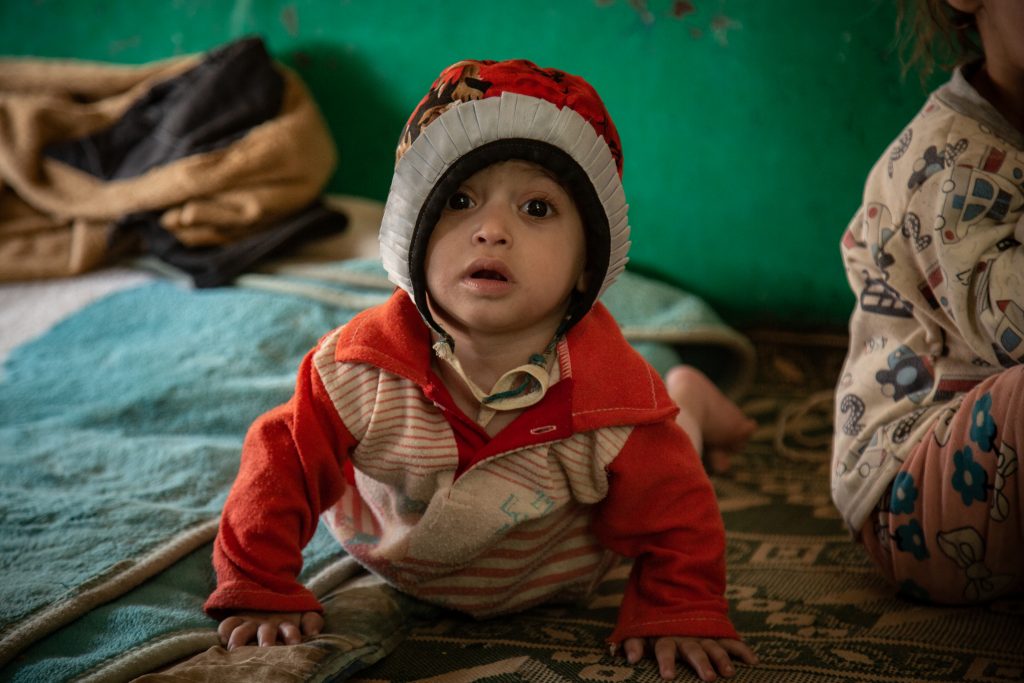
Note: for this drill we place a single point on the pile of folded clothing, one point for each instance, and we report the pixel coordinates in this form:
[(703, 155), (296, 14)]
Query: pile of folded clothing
[(208, 162)]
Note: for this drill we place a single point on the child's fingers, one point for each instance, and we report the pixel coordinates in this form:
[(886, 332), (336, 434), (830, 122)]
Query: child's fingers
[(312, 623), (225, 628), (242, 634), (266, 635), (719, 657), (738, 648), (693, 652), (665, 654), (634, 649), (290, 633)]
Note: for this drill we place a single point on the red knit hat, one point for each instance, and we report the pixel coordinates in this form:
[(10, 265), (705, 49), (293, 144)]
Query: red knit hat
[(478, 113)]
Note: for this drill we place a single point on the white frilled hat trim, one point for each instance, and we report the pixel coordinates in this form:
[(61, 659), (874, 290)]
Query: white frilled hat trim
[(468, 125)]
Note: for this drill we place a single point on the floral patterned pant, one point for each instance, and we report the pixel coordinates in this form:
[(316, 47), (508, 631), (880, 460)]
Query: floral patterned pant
[(951, 528)]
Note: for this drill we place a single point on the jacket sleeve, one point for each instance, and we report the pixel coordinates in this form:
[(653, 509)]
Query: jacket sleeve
[(661, 510), (292, 468)]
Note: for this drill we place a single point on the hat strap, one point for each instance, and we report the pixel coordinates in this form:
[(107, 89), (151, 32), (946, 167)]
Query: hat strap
[(518, 388)]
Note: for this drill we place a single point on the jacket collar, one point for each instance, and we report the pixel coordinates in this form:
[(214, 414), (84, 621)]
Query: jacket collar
[(611, 384)]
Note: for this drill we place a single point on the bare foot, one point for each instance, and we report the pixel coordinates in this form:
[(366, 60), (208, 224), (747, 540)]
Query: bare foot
[(715, 424)]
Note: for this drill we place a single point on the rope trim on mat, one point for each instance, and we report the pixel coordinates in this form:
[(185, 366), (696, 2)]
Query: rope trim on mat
[(796, 420)]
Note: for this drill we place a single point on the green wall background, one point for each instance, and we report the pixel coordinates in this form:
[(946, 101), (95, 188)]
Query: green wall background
[(748, 126)]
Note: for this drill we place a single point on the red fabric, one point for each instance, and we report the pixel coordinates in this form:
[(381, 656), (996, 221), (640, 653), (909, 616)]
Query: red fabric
[(288, 476), (660, 508), (616, 385), (476, 79)]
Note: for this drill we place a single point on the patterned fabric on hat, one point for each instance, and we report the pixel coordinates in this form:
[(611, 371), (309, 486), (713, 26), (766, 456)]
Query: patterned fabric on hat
[(476, 79)]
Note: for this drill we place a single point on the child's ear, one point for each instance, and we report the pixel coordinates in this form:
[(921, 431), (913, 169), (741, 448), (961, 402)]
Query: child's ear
[(965, 6)]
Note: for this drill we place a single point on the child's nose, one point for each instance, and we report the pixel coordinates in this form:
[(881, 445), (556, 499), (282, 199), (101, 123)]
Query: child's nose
[(492, 229)]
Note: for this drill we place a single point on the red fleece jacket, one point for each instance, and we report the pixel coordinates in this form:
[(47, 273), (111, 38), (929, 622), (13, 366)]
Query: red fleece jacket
[(658, 506)]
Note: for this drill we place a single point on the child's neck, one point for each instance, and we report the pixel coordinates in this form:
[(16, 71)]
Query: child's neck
[(1004, 89), (485, 358)]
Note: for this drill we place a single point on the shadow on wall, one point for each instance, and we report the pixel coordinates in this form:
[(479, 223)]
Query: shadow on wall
[(364, 121)]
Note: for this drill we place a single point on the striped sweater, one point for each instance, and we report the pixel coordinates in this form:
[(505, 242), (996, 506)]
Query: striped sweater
[(372, 443)]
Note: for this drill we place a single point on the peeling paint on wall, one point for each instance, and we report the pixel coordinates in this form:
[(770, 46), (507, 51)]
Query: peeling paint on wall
[(720, 27), (290, 20), (640, 7), (682, 11), (680, 8)]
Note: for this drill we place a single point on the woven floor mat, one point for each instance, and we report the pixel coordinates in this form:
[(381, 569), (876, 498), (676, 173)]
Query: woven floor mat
[(801, 593)]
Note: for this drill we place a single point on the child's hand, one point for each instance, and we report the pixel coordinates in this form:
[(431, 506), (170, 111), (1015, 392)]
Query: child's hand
[(705, 655), (266, 628)]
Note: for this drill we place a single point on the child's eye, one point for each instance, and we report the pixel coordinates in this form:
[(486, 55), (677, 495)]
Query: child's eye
[(538, 208), (459, 201)]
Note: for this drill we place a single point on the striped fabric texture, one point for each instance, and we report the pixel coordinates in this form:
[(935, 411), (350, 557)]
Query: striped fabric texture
[(513, 531)]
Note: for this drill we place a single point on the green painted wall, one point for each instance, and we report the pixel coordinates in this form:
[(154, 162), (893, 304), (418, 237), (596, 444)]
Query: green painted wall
[(748, 126)]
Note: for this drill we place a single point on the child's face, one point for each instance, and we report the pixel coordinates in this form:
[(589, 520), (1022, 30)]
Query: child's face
[(506, 253)]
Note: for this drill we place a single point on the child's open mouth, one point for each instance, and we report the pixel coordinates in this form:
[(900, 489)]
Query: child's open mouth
[(488, 275)]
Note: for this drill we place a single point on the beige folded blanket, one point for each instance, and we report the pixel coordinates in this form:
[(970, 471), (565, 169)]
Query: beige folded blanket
[(55, 220)]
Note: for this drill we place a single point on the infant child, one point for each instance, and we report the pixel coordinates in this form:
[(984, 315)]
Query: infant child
[(487, 440)]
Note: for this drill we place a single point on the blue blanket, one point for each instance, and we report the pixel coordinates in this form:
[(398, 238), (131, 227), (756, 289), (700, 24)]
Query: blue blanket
[(119, 438)]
